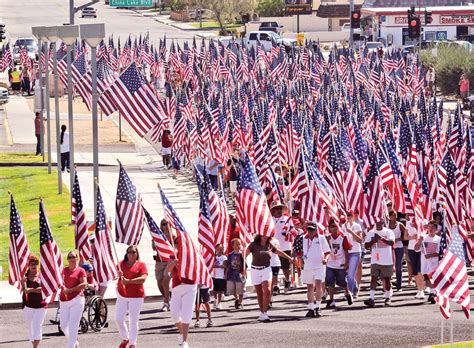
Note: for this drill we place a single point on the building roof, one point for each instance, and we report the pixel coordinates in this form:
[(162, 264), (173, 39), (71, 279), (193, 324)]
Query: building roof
[(433, 9), (419, 3), (336, 10)]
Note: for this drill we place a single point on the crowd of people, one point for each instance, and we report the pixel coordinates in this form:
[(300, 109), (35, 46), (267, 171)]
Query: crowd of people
[(308, 254)]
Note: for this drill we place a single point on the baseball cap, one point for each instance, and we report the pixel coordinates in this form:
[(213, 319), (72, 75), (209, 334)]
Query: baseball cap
[(312, 226)]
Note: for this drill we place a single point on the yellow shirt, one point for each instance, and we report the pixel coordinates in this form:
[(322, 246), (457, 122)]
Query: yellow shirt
[(15, 76)]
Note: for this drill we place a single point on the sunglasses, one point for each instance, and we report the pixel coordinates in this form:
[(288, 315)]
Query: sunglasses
[(163, 225), (131, 252), (71, 257)]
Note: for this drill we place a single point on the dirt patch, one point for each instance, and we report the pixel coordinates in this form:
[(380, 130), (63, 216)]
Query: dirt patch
[(78, 106)]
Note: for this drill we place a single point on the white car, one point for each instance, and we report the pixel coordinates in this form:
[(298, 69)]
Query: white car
[(346, 27), (3, 95), (265, 38), (374, 46), (89, 12)]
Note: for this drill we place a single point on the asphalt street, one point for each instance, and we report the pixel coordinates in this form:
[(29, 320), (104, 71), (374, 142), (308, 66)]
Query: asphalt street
[(406, 323)]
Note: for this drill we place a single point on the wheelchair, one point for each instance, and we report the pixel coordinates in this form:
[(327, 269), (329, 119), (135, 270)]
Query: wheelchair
[(94, 315)]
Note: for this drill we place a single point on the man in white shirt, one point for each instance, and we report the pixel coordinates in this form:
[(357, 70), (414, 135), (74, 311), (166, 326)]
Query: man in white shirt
[(380, 241), (429, 246), (284, 233), (316, 252)]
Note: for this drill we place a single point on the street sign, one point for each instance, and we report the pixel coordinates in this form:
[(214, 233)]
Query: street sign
[(297, 7), (131, 3)]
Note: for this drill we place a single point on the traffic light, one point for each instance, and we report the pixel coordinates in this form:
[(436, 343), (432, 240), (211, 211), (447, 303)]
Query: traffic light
[(428, 17), (414, 27), (355, 19), (2, 32)]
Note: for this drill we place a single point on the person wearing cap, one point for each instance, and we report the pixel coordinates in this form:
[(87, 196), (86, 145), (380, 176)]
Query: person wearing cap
[(284, 234), (315, 255), (91, 283), (260, 273), (353, 232), (34, 306), (412, 234), (337, 264), (380, 241)]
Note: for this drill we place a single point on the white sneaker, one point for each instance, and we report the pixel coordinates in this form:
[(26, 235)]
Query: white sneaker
[(266, 317), (420, 295), (214, 306), (185, 345), (261, 317), (180, 340), (300, 283), (219, 307), (165, 307)]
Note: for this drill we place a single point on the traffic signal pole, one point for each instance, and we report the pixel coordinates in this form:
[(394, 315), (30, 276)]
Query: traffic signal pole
[(351, 30)]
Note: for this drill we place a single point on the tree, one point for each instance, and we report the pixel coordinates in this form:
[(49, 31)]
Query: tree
[(271, 8)]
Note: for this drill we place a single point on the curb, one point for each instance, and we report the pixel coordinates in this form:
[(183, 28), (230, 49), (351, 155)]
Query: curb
[(45, 164), (7, 130)]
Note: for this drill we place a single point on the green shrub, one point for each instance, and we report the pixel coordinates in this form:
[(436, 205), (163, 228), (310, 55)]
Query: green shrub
[(450, 62)]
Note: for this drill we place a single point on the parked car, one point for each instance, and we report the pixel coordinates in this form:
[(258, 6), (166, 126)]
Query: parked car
[(4, 95), (374, 46), (270, 26), (346, 27), (265, 38), (29, 44), (89, 12)]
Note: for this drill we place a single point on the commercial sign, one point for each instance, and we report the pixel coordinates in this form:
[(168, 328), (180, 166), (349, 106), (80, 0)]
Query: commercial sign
[(404, 20), (131, 3), (296, 7), (457, 19)]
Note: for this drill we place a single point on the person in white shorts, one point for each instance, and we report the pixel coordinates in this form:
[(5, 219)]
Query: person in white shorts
[(429, 246), (316, 252)]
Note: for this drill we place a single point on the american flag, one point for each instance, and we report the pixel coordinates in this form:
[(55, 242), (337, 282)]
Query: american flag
[(450, 278), (136, 101), (191, 265), (19, 253), (80, 223), (105, 266), (206, 230), (128, 211), (51, 260), (252, 203), (162, 246)]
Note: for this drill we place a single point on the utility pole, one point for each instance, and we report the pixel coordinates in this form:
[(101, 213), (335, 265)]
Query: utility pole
[(351, 30), (71, 12)]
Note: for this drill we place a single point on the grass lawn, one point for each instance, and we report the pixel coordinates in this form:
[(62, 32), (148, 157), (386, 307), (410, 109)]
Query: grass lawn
[(27, 185), (213, 25), (469, 344), (21, 157)]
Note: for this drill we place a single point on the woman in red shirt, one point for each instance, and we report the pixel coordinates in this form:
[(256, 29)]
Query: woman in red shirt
[(464, 86), (34, 305), (71, 298), (130, 295)]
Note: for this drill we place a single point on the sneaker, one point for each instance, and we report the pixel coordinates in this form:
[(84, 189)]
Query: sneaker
[(197, 324), (300, 283), (420, 295), (261, 317), (369, 303), (349, 299), (236, 304), (431, 299), (209, 323), (276, 290), (388, 301), (219, 306), (240, 306), (399, 290), (214, 306), (331, 305), (185, 345), (310, 314), (317, 313), (266, 318), (180, 340), (165, 307)]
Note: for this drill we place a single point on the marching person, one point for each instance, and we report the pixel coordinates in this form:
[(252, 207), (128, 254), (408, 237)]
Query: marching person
[(182, 302), (337, 264), (166, 143), (261, 273), (380, 241), (399, 231), (161, 273), (412, 235), (38, 132), (429, 246), (34, 307), (283, 233), (315, 256), (71, 298), (353, 232), (235, 273), (130, 296), (219, 276)]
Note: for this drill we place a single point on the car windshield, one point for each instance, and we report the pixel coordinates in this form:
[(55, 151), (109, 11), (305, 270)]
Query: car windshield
[(275, 36), (374, 45), (25, 42)]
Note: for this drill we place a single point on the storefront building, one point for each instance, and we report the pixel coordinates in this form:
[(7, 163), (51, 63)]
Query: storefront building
[(390, 24)]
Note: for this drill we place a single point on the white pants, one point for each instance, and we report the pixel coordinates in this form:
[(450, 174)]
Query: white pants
[(132, 306), (182, 303), (70, 315), (34, 320)]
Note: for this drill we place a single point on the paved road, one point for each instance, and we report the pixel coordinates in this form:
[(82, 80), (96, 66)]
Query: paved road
[(407, 323), (21, 15)]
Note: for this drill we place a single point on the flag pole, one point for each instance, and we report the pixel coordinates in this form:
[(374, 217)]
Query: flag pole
[(451, 332), (171, 234), (442, 332)]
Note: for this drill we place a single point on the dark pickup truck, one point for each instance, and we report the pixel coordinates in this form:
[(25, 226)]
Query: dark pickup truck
[(270, 26)]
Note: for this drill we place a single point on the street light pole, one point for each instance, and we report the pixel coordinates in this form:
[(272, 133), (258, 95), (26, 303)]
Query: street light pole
[(58, 127), (93, 34), (351, 30), (48, 108), (40, 91), (71, 12)]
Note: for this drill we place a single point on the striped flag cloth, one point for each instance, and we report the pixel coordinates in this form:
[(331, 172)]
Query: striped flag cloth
[(450, 278), (51, 260), (205, 227), (162, 246), (135, 99), (19, 253), (128, 211), (80, 223), (190, 262), (105, 266), (252, 203)]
